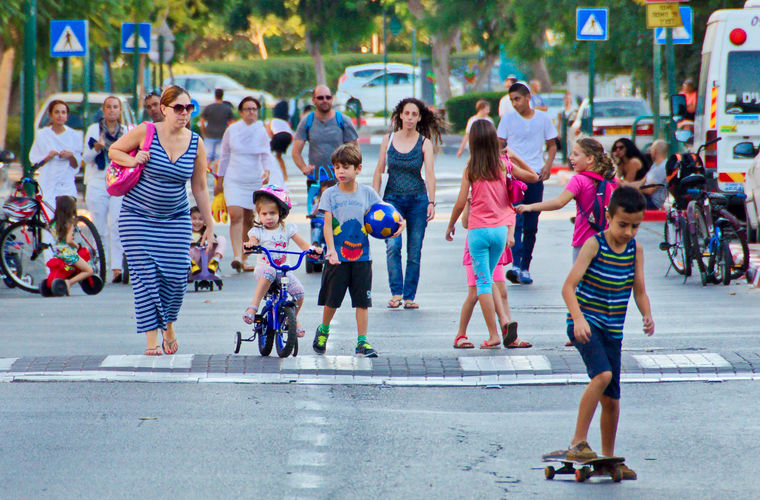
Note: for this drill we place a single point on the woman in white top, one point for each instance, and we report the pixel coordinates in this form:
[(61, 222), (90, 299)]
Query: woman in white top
[(482, 109), (58, 149), (243, 168), (282, 135), (103, 207)]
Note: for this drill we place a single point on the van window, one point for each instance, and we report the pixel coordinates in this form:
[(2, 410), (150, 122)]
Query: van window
[(742, 84)]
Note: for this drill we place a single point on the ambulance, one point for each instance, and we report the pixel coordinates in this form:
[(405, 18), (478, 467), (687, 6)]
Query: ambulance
[(728, 104)]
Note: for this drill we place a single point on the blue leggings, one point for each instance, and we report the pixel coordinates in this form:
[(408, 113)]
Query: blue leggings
[(486, 245)]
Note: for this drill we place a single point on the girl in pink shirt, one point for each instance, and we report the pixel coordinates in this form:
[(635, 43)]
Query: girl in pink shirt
[(591, 165), (491, 221)]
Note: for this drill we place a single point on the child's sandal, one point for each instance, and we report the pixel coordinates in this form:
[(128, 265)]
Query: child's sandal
[(249, 317)]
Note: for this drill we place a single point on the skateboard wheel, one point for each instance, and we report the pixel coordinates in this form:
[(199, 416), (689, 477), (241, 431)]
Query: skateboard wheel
[(549, 472)]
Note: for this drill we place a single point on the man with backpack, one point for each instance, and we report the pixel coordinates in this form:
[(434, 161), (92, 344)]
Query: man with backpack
[(325, 129), (526, 131)]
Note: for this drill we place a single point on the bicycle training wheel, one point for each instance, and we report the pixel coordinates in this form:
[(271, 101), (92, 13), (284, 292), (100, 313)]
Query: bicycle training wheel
[(287, 335), (25, 251), (674, 237), (87, 235)]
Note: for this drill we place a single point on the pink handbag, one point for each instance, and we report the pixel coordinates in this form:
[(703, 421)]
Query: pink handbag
[(515, 187), (120, 179)]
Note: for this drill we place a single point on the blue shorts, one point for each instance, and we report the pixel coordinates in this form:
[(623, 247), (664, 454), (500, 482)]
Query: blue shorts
[(600, 354)]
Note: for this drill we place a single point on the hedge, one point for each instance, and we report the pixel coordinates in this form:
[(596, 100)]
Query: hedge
[(286, 76), (459, 109)]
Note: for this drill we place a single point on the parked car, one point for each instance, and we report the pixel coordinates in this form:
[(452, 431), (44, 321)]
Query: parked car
[(94, 109), (613, 119), (201, 87), (555, 101), (363, 72), (370, 93)]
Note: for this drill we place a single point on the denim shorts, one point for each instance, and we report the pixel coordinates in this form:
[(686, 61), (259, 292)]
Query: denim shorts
[(600, 354)]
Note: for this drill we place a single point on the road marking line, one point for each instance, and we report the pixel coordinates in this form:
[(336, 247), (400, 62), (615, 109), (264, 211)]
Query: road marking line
[(505, 363), (306, 480), (142, 361), (6, 363), (688, 360), (307, 458)]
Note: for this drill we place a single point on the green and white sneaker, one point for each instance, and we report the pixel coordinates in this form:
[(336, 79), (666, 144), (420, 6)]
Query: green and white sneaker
[(364, 350), (320, 342)]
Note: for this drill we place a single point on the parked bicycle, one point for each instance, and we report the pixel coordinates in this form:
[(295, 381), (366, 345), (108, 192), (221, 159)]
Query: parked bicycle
[(26, 240), (276, 324)]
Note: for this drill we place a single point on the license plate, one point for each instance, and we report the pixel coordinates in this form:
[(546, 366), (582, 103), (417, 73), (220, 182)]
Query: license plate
[(617, 130), (733, 187)]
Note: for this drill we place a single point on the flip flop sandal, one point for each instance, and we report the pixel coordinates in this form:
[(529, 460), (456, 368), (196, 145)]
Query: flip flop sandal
[(236, 265), (509, 333), (172, 345), (394, 303), (153, 351), (519, 345), (462, 342), (486, 345), (248, 317), (411, 305)]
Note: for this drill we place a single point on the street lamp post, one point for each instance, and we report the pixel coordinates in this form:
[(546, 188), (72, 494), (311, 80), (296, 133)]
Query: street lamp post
[(30, 79)]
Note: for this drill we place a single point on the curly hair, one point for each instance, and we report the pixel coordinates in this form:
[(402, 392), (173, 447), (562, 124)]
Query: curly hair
[(431, 125), (602, 162)]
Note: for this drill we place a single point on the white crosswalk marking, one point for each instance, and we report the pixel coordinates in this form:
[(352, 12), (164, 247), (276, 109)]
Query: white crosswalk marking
[(686, 360), (6, 363), (505, 363), (141, 361)]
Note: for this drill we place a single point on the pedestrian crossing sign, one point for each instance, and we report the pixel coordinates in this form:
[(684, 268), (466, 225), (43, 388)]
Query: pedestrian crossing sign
[(68, 38), (592, 24), (683, 35), (135, 35)]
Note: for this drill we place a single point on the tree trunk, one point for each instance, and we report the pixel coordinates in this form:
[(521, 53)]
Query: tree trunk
[(441, 51), (313, 47), (541, 74), (257, 38), (484, 71), (6, 77)]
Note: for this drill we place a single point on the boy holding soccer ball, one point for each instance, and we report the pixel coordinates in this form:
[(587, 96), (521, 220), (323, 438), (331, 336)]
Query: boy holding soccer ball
[(349, 266)]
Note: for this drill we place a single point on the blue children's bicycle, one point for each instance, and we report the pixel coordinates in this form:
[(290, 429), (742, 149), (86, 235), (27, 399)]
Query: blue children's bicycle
[(276, 324)]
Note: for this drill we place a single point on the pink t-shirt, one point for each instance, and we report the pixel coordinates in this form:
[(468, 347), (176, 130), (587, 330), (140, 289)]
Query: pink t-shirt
[(490, 205), (506, 256), (584, 192)]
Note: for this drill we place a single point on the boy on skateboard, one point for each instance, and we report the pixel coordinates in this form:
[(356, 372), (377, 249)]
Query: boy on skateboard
[(596, 292)]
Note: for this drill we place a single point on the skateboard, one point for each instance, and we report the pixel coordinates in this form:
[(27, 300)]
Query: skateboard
[(601, 466)]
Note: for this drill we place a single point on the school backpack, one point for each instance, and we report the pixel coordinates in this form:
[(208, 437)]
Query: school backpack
[(604, 188), (310, 122)]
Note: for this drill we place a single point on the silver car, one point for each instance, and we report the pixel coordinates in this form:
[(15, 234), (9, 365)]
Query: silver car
[(613, 119)]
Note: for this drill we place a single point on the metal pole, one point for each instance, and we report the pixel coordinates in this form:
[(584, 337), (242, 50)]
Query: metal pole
[(30, 79), (136, 69), (591, 77), (106, 72), (85, 86), (160, 61), (414, 62), (385, 74), (66, 77), (657, 66), (671, 64)]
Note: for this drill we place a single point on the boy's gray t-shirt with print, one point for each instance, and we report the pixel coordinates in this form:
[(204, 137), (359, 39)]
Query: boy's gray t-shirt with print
[(325, 137), (348, 209)]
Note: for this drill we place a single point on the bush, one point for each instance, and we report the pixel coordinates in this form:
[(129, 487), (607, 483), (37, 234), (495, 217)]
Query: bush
[(460, 109), (286, 76)]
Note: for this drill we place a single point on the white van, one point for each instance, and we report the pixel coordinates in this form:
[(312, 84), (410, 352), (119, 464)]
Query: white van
[(728, 103)]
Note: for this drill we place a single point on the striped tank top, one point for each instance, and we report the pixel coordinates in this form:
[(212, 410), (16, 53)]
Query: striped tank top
[(604, 291)]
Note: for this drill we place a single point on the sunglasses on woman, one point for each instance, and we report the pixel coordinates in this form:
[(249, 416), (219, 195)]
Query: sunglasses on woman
[(179, 108)]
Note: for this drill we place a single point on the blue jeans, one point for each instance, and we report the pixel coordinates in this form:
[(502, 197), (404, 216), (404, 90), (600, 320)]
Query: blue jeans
[(413, 208), (526, 227)]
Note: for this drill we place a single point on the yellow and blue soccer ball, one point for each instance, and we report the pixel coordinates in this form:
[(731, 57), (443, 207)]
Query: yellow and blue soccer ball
[(381, 220)]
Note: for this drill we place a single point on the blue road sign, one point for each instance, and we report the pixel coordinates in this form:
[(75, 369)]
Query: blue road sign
[(68, 38), (592, 24), (131, 38), (197, 109), (681, 36)]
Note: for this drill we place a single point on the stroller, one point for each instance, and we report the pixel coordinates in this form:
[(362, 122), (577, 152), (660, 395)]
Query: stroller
[(317, 221), (203, 278)]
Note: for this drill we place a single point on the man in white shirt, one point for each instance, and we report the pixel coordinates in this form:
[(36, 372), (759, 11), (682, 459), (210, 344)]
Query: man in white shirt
[(656, 178), (505, 105), (526, 131)]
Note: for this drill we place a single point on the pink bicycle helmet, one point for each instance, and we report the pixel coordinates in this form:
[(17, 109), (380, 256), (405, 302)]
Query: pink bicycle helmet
[(276, 194)]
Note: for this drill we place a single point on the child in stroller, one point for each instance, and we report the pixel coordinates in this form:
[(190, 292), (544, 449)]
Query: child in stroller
[(204, 262)]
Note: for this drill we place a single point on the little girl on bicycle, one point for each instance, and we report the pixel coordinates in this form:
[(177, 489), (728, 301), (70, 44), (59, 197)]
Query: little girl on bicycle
[(65, 248), (592, 166), (218, 246), (271, 232), (491, 220)]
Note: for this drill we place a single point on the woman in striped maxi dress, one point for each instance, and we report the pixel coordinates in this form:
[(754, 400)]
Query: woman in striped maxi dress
[(154, 223)]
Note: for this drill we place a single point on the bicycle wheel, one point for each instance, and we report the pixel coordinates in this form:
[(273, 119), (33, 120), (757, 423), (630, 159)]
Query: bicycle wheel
[(699, 239), (87, 235), (674, 237), (286, 337), (724, 263), (266, 340), (740, 256), (25, 251)]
